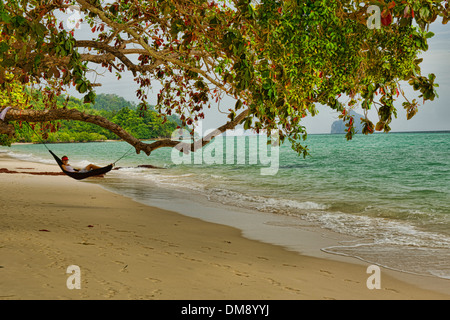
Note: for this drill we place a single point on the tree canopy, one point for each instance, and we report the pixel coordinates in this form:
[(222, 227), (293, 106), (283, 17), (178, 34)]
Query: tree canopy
[(278, 59)]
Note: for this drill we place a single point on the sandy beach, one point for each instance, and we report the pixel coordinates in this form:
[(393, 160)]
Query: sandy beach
[(127, 250)]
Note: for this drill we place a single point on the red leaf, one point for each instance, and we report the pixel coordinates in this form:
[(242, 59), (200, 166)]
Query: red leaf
[(387, 20)]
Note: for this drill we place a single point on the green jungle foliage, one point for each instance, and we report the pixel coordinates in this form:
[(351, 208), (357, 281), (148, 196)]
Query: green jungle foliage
[(145, 125)]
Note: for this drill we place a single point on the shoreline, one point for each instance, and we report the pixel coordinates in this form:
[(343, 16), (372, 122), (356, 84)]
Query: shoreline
[(129, 250)]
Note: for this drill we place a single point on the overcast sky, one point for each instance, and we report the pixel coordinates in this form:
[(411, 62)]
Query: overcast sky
[(433, 115)]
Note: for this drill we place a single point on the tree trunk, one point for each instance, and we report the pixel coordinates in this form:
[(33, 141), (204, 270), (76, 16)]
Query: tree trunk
[(30, 115)]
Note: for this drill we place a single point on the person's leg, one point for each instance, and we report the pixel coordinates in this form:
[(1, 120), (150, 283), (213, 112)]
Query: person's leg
[(91, 167)]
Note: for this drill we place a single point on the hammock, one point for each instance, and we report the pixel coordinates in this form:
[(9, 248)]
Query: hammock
[(81, 175), (74, 175)]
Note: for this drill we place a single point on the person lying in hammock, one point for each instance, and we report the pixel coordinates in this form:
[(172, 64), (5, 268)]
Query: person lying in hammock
[(67, 167)]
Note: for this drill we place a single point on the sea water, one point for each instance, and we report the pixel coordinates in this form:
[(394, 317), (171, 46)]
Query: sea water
[(389, 193)]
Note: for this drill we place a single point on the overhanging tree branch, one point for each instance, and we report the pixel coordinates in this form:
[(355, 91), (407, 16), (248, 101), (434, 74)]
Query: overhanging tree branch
[(31, 115)]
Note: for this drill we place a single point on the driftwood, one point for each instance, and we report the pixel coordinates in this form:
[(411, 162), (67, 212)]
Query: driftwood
[(4, 170), (148, 166)]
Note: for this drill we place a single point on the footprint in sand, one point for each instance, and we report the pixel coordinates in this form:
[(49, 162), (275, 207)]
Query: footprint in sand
[(241, 274), (154, 280), (156, 292), (125, 231), (349, 280), (328, 273), (111, 293), (228, 252), (293, 289), (192, 259), (86, 243), (225, 266), (289, 265), (393, 290)]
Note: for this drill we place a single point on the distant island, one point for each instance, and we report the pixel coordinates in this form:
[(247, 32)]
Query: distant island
[(339, 127)]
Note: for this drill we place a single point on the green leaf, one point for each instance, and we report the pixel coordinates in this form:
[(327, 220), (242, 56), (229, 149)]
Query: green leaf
[(238, 105), (4, 16), (90, 97), (4, 47), (424, 12), (248, 124), (429, 35), (83, 88), (68, 45), (40, 30)]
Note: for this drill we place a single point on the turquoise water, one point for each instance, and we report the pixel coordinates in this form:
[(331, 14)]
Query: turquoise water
[(390, 192)]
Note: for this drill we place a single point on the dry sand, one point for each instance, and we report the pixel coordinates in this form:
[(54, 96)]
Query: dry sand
[(127, 250)]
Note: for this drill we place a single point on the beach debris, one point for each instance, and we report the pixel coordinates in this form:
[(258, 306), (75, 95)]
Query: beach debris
[(147, 166), (5, 170), (90, 226), (44, 230)]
